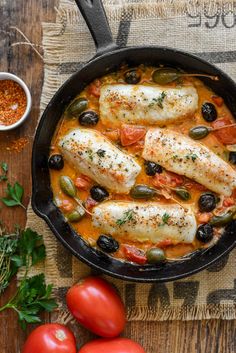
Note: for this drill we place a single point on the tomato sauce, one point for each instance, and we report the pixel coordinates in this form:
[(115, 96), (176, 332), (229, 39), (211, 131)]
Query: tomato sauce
[(84, 227)]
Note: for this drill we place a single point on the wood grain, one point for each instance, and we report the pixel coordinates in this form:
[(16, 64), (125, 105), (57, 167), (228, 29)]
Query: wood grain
[(214, 336)]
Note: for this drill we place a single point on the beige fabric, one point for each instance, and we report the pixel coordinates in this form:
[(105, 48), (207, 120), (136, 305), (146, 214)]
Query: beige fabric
[(207, 28)]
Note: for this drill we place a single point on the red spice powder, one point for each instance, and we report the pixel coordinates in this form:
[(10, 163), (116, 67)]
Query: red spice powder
[(12, 102)]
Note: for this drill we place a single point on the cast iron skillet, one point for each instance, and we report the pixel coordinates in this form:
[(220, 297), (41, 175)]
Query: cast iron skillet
[(108, 58)]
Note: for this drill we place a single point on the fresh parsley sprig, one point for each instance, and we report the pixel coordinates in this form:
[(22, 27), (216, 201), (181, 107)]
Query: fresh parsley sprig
[(4, 168), (14, 195), (24, 249), (128, 216)]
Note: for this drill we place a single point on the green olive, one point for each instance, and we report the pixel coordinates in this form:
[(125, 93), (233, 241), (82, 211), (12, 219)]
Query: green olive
[(75, 215), (155, 255), (142, 191), (67, 186), (199, 132), (76, 107), (165, 75), (183, 194), (219, 221)]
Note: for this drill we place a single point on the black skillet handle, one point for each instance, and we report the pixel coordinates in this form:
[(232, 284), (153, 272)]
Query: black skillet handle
[(95, 17)]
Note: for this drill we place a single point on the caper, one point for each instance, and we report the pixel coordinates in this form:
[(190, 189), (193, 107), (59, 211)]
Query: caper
[(165, 75), (132, 76), (155, 255), (56, 162), (199, 132), (75, 215), (209, 112), (219, 221), (76, 107), (205, 233), (152, 168), (142, 191), (207, 202), (183, 194), (67, 186), (88, 118), (107, 243)]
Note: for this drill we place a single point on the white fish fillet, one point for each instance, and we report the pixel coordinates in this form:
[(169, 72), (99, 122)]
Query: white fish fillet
[(182, 155), (151, 221), (93, 155), (146, 104)]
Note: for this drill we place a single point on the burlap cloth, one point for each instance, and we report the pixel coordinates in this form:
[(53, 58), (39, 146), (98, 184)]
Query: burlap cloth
[(206, 28)]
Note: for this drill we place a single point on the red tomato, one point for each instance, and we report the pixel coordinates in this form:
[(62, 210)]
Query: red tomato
[(226, 136), (117, 345), (168, 179), (90, 203), (82, 182), (130, 134), (134, 254), (66, 205), (228, 201), (97, 306), (50, 338)]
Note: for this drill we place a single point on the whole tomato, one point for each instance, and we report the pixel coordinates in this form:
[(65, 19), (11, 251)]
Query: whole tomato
[(50, 338), (97, 306), (116, 345)]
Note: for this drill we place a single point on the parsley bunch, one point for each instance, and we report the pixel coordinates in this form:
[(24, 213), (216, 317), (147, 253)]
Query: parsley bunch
[(24, 249)]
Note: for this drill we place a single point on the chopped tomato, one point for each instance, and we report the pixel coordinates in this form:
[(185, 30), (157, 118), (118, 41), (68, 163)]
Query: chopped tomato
[(90, 203), (218, 100), (66, 205), (134, 254), (113, 135), (204, 217), (190, 184), (164, 243), (94, 88), (82, 182), (234, 194), (228, 201), (138, 146), (227, 136), (130, 134), (168, 179)]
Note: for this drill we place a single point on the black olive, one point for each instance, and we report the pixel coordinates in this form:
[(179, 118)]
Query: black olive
[(56, 162), (152, 168), (232, 157), (98, 193), (207, 202), (209, 112), (205, 233), (88, 118), (107, 243), (132, 77)]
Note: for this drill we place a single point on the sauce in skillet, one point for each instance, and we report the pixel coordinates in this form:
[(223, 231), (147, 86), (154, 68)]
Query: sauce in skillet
[(130, 138)]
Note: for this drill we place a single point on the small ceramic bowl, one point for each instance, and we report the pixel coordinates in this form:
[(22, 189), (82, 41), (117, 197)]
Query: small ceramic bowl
[(8, 76)]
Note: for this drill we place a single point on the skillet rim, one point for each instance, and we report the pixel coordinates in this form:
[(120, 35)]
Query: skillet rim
[(45, 215)]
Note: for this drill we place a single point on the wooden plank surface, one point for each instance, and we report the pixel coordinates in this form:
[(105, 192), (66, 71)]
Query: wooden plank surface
[(214, 336)]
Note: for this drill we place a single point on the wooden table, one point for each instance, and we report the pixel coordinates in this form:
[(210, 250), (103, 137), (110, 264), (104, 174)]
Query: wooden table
[(214, 336)]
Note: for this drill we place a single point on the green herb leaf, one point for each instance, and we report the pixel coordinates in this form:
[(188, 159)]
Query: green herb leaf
[(14, 195), (165, 219), (192, 156), (4, 167), (128, 215)]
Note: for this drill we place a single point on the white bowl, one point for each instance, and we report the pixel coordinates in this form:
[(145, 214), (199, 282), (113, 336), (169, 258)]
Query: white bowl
[(8, 76)]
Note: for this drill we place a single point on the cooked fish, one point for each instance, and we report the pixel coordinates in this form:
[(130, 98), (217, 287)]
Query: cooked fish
[(184, 156), (149, 105), (150, 221), (93, 155)]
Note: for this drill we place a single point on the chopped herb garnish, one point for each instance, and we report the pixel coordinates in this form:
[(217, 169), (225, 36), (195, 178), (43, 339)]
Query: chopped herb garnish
[(165, 219), (101, 153), (128, 216), (158, 101), (90, 154), (192, 156)]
